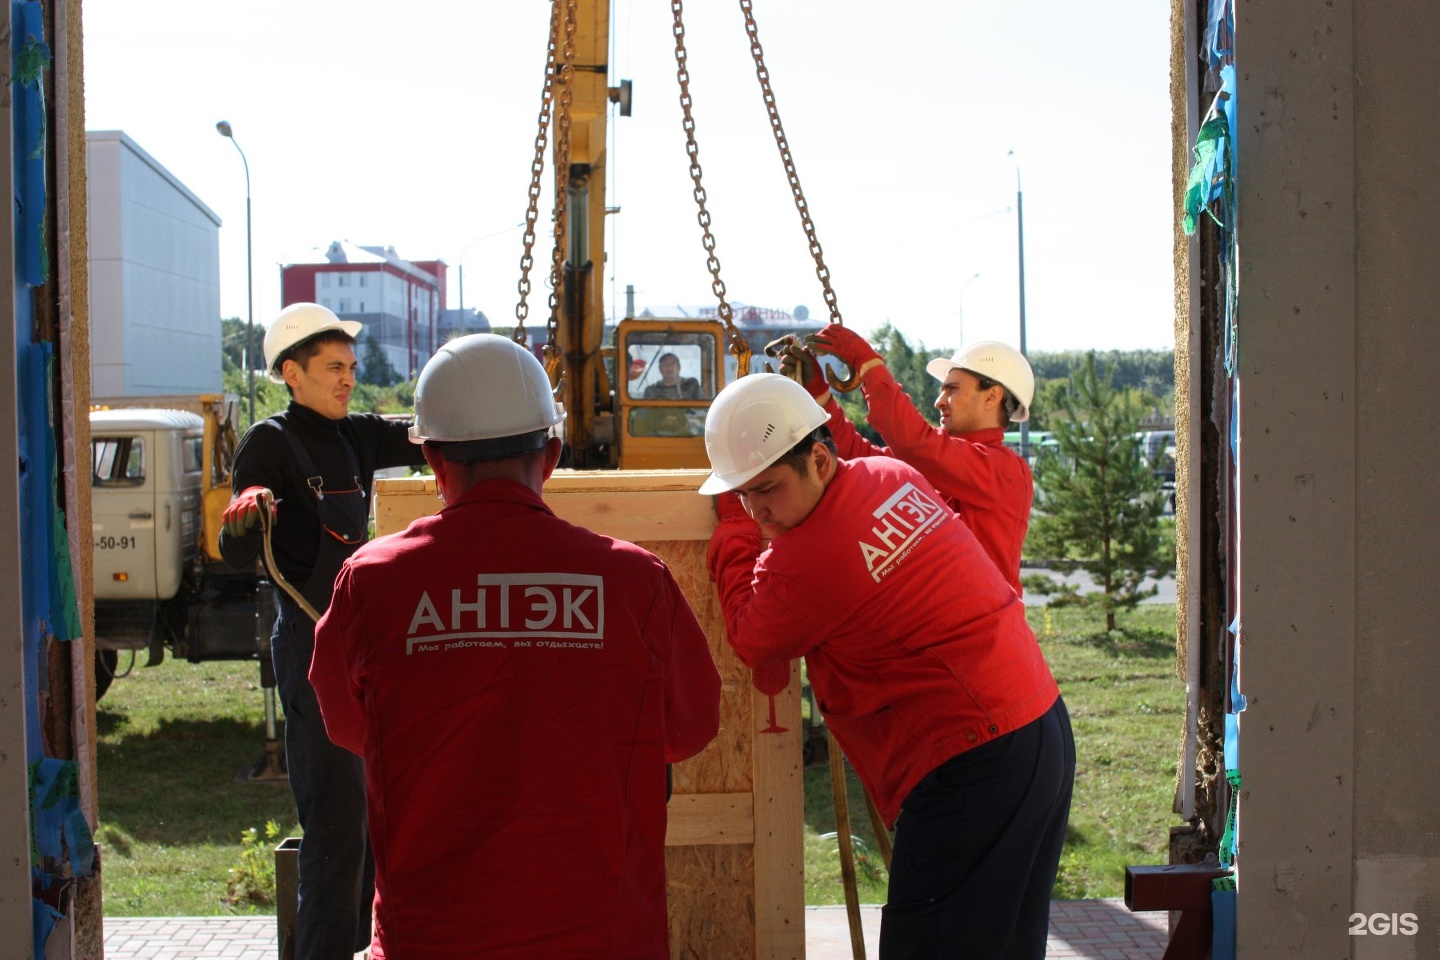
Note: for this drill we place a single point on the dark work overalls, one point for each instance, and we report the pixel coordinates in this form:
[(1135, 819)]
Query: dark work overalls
[(337, 872)]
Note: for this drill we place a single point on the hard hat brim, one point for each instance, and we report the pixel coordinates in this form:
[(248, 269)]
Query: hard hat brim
[(940, 368)]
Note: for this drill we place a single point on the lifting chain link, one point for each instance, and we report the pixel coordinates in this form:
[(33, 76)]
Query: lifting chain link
[(537, 167), (554, 358), (738, 345), (762, 73)]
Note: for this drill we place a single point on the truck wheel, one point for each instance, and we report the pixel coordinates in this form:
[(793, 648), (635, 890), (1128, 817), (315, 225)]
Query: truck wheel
[(105, 663)]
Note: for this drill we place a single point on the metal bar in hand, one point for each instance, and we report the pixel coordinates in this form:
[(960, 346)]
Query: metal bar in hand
[(266, 517)]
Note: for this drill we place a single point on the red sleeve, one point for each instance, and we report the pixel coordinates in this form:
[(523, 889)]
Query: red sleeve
[(692, 684), (976, 474), (849, 444), (341, 699), (760, 625)]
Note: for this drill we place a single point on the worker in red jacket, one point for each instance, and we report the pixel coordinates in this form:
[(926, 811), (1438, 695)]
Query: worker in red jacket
[(982, 388), (920, 657), (516, 686)]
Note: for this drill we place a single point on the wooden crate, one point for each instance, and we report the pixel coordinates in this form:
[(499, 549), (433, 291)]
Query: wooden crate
[(734, 848)]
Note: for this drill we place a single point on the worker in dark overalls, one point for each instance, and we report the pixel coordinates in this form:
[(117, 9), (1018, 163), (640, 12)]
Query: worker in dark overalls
[(312, 467)]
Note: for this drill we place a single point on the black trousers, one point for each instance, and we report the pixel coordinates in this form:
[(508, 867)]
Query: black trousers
[(337, 872), (977, 846)]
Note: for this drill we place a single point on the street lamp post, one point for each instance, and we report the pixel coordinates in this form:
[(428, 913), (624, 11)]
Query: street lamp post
[(225, 131), (270, 766)]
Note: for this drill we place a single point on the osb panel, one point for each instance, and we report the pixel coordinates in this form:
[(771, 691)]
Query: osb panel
[(727, 765), (712, 902)]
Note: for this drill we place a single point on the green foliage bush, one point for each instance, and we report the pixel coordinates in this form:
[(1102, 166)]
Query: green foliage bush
[(252, 883)]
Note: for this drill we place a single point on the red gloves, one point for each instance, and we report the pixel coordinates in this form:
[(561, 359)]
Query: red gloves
[(729, 506), (244, 511), (847, 346), (800, 365)]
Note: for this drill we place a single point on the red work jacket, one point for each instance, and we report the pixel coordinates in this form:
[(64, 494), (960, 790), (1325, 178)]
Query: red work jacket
[(917, 649), (516, 686), (985, 482)]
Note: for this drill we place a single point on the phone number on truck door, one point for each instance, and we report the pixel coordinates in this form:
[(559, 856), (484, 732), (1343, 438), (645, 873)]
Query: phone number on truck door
[(115, 543)]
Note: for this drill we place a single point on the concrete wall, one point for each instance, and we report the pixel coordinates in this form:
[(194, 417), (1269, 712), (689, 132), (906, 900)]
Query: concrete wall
[(154, 276), (1339, 233)]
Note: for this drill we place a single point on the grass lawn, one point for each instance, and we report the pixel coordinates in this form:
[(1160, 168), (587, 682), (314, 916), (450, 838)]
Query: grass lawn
[(173, 738), (1127, 708)]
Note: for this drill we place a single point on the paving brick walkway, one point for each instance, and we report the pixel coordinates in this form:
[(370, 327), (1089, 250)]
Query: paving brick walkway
[(1091, 929)]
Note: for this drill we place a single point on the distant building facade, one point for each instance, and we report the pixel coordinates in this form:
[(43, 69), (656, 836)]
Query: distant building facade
[(400, 302), (758, 325), (154, 257)]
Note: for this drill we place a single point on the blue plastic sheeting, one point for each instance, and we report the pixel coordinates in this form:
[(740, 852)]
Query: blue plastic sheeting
[(1210, 191), (32, 58), (35, 527), (64, 607), (61, 847), (1219, 42), (56, 815), (1222, 936)]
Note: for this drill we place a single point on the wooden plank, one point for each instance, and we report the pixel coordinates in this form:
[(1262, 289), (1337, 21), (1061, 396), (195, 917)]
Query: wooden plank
[(779, 824), (633, 505), (710, 818)]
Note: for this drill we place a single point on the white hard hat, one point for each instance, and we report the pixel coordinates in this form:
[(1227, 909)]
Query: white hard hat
[(484, 387), (755, 421), (296, 323), (995, 361)]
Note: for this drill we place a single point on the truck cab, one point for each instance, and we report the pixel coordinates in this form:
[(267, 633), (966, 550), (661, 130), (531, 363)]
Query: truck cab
[(160, 481), (147, 467)]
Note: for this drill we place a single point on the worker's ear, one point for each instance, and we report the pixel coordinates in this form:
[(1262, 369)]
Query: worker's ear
[(290, 372), (553, 448), (825, 462), (437, 463)]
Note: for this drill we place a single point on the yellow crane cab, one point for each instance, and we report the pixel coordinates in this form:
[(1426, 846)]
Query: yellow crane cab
[(667, 374)]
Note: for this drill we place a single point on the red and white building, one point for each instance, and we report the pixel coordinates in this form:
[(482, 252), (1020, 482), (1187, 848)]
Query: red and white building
[(400, 302)]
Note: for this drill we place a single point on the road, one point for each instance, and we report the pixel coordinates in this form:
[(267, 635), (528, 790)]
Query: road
[(1166, 593)]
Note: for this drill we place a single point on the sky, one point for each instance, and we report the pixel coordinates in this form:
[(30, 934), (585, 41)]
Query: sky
[(913, 125)]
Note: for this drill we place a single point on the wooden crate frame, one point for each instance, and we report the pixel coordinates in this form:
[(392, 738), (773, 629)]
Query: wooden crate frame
[(735, 842)]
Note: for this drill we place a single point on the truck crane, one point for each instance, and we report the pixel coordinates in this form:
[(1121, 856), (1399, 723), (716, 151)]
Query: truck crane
[(621, 412)]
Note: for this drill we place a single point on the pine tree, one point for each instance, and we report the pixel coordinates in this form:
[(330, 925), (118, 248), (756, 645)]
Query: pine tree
[(376, 368), (1098, 503)]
